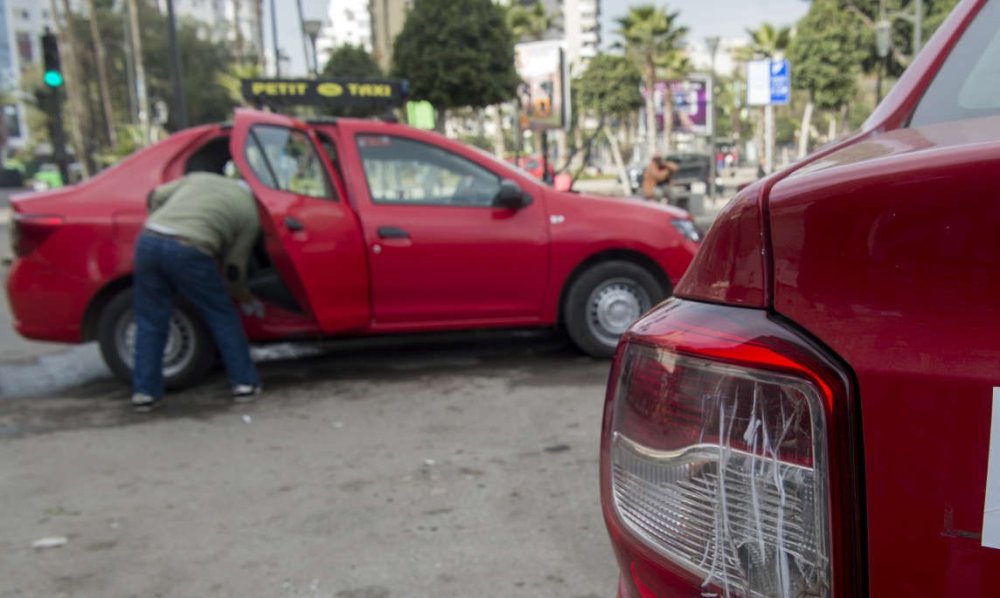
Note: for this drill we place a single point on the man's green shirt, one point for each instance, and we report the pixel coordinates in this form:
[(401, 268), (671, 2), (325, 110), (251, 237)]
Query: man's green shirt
[(214, 212)]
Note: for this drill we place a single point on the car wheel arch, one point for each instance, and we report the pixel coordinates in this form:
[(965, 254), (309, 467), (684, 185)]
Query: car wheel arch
[(92, 315), (625, 255)]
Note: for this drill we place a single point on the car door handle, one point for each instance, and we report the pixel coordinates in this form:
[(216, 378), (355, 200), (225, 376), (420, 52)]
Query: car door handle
[(294, 224), (392, 232)]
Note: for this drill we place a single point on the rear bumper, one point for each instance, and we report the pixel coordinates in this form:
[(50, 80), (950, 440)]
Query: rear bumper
[(45, 303)]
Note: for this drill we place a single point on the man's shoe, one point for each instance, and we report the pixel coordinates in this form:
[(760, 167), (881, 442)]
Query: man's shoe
[(246, 393), (143, 403)]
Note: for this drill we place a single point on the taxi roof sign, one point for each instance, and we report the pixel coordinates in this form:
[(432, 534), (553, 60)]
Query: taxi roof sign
[(338, 91)]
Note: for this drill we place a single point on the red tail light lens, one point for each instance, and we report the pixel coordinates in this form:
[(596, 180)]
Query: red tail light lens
[(30, 230), (716, 453)]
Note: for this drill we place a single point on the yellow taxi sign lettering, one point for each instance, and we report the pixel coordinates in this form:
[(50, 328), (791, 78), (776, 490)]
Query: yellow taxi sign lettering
[(325, 92)]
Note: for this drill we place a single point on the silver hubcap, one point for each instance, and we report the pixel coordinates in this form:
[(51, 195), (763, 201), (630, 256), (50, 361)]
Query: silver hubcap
[(178, 352), (613, 306)]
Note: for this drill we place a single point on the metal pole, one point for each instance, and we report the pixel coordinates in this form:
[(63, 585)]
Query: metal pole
[(769, 138), (274, 38), (59, 136), (918, 32), (713, 47), (176, 69)]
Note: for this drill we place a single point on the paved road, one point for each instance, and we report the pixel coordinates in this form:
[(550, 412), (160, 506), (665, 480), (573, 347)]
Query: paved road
[(466, 468)]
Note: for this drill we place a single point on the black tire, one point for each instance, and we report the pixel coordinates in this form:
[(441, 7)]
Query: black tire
[(604, 301), (189, 355)]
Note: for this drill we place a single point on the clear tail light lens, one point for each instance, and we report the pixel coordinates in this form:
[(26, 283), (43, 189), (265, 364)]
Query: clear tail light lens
[(716, 456)]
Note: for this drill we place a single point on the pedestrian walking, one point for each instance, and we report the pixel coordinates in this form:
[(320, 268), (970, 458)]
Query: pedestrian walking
[(656, 178), (197, 224)]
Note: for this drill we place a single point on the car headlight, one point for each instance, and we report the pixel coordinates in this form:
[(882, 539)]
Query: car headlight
[(688, 229)]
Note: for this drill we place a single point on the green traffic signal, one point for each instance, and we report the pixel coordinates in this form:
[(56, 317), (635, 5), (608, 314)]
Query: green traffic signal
[(53, 78)]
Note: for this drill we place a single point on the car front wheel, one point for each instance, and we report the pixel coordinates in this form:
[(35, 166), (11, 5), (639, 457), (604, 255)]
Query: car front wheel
[(188, 355), (604, 301)]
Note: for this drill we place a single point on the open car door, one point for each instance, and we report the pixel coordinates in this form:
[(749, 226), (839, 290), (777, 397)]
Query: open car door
[(311, 233)]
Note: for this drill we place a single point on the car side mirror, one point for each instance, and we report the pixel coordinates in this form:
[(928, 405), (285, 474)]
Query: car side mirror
[(511, 196)]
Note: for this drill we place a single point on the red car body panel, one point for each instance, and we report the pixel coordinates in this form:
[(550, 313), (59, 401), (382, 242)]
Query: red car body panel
[(461, 267), (882, 248)]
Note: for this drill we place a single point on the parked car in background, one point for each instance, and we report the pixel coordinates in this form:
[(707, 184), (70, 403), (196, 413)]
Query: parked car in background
[(368, 228), (692, 176), (817, 411)]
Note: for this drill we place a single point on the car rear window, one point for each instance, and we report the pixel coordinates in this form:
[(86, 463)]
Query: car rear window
[(968, 84)]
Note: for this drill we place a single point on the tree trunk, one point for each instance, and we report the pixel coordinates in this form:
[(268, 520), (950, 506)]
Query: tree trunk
[(104, 89), (74, 89), (804, 130), (831, 131), (140, 72), (258, 31), (616, 154), (240, 49), (442, 114), (650, 112), (499, 143)]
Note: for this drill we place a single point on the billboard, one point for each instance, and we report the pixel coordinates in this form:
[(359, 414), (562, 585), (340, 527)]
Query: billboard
[(692, 104), (543, 94)]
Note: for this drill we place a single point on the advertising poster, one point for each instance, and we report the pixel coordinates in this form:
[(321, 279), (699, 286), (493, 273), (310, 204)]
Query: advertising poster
[(543, 95), (692, 106)]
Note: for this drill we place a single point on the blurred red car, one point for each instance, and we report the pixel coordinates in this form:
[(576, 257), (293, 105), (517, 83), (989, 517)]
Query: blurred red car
[(817, 412), (368, 228)]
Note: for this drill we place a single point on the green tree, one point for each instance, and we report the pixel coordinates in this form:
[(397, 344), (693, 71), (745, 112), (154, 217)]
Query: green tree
[(827, 55), (355, 62), (456, 54), (351, 61), (652, 41), (610, 88)]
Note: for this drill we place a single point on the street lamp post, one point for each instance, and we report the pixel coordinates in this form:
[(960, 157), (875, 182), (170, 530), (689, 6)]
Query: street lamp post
[(713, 47), (312, 28)]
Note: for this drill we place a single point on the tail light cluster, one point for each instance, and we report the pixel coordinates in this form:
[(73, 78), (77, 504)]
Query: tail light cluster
[(716, 454), (28, 231)]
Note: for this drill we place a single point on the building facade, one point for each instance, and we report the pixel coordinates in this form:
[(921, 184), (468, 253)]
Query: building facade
[(24, 21), (348, 22)]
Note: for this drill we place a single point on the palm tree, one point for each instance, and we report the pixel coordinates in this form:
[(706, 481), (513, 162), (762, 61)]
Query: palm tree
[(652, 40), (529, 23)]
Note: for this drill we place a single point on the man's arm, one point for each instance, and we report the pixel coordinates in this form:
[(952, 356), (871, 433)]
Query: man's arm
[(159, 196), (235, 263)]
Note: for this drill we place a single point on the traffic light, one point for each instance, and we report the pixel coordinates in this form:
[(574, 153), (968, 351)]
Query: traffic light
[(50, 52)]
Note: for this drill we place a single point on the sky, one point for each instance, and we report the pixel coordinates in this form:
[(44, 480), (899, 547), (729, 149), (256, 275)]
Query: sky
[(724, 18)]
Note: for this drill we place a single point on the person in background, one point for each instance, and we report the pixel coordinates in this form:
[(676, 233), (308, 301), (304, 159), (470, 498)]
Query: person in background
[(656, 178), (197, 223)]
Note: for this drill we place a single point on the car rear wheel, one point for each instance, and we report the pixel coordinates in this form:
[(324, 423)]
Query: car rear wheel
[(187, 357), (604, 301)]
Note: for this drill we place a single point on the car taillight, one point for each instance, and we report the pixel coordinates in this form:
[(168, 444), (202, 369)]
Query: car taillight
[(716, 452), (28, 231)]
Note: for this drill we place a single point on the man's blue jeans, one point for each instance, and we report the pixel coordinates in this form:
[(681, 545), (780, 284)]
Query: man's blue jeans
[(164, 268)]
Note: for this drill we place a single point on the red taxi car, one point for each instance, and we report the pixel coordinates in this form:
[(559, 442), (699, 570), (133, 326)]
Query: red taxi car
[(368, 228), (817, 411)]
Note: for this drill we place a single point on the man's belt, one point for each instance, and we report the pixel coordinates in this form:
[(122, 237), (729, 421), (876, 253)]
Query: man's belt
[(202, 247)]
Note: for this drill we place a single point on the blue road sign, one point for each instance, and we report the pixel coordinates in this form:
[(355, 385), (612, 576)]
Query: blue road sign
[(781, 82)]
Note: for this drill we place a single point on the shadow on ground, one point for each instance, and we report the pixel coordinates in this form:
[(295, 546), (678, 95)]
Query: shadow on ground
[(74, 390)]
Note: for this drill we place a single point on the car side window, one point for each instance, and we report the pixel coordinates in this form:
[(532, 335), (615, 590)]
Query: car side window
[(408, 172), (968, 83), (285, 159)]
